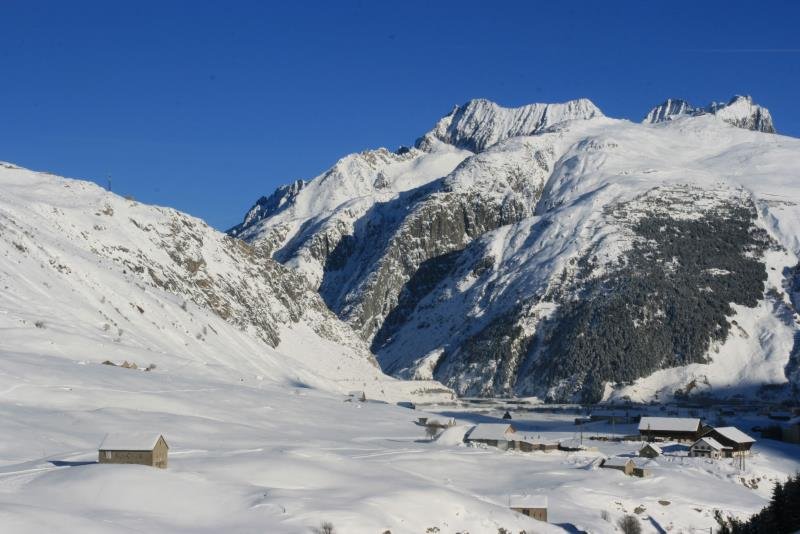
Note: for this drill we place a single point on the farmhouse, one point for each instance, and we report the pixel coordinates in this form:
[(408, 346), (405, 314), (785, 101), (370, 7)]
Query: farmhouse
[(708, 447), (671, 428), (650, 450), (534, 506), (144, 449), (738, 442), (641, 467), (494, 434)]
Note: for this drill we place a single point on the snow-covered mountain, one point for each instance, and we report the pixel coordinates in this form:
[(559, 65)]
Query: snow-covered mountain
[(549, 250), (152, 285), (740, 111)]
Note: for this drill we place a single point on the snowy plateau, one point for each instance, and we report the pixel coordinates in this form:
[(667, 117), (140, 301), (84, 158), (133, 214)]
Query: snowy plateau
[(545, 254)]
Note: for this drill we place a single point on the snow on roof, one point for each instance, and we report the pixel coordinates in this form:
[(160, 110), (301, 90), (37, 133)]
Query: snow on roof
[(734, 434), (527, 501), (130, 442), (617, 461), (494, 431), (652, 446), (643, 462), (711, 442), (674, 424)]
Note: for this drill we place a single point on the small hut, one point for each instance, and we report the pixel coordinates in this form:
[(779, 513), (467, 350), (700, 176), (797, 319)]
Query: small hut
[(534, 506), (142, 449), (625, 465), (650, 450)]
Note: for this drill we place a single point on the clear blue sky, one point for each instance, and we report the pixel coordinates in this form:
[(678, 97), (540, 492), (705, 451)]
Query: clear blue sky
[(205, 106)]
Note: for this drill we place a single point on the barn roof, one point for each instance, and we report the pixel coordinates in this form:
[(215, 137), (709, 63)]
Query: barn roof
[(490, 431), (734, 434), (711, 442), (141, 441), (527, 501), (669, 424)]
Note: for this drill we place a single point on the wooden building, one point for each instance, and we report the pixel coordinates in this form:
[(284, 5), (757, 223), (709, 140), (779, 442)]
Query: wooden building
[(493, 434), (650, 450), (625, 465), (670, 428), (738, 443), (143, 449), (534, 506), (528, 444), (708, 447)]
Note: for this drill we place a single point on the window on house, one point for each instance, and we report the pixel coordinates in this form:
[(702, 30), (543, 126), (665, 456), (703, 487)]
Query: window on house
[(108, 455)]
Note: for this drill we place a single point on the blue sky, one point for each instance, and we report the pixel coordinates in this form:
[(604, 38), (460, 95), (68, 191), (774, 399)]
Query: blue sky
[(205, 106)]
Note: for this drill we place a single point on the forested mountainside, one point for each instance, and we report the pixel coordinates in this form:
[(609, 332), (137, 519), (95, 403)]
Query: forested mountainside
[(549, 250)]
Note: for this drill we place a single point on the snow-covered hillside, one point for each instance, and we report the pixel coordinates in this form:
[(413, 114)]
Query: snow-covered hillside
[(555, 218), (123, 281)]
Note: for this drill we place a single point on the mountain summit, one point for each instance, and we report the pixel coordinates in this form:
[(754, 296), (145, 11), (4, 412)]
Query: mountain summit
[(740, 111)]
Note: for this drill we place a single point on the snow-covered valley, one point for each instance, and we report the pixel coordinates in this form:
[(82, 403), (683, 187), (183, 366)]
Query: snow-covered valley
[(471, 263)]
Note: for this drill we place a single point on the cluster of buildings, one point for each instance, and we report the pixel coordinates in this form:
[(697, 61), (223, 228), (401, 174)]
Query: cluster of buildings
[(505, 437)]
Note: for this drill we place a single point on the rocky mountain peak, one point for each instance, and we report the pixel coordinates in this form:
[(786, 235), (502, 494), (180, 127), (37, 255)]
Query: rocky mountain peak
[(268, 206), (740, 111), (480, 123)]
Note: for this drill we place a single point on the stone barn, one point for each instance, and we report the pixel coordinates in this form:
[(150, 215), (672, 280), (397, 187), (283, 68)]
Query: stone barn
[(143, 449), (534, 506)]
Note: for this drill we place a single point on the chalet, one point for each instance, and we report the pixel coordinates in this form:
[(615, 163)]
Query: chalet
[(670, 428), (650, 450), (619, 463), (738, 442), (494, 434), (534, 506), (708, 447), (144, 449)]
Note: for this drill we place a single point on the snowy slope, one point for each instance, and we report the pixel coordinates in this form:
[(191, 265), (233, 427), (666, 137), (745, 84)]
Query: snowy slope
[(125, 281), (557, 203)]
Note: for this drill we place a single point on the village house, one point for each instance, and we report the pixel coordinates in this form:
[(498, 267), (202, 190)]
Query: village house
[(143, 449), (737, 442), (708, 447), (650, 450), (670, 428), (641, 467), (534, 506), (493, 434)]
